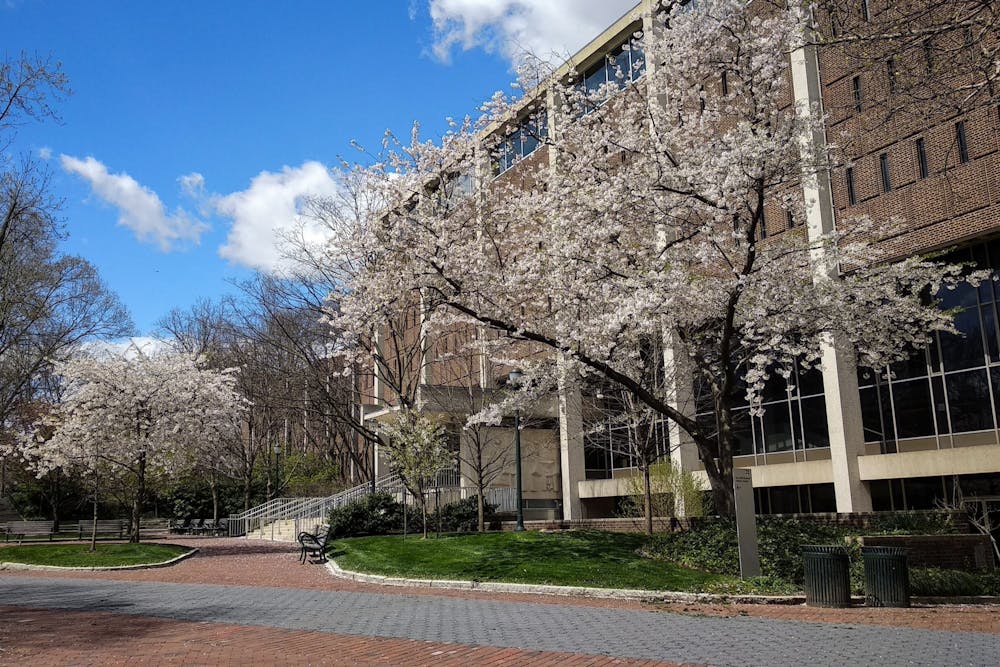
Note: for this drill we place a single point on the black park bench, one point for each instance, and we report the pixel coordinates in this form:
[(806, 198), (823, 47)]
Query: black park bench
[(313, 545)]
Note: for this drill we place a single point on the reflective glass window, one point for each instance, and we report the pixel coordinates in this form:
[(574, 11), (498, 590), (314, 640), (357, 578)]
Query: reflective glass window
[(969, 401)]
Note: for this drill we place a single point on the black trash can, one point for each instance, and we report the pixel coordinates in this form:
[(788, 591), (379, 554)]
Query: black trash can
[(827, 580), (887, 577)]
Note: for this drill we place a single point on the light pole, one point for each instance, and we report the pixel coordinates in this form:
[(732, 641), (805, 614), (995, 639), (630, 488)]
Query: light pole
[(514, 379), (277, 470)]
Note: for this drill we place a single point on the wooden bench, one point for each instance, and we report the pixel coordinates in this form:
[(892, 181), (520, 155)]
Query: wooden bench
[(23, 529), (104, 527), (314, 544)]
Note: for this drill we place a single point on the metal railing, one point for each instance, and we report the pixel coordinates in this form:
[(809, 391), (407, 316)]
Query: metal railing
[(307, 513)]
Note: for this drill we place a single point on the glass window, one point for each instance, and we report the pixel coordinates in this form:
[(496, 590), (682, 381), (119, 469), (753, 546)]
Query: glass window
[(777, 427), (965, 350), (969, 401), (913, 408), (638, 58), (742, 433), (940, 408), (814, 423)]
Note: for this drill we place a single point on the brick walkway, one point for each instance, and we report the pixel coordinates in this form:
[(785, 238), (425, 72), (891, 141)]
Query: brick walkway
[(223, 606)]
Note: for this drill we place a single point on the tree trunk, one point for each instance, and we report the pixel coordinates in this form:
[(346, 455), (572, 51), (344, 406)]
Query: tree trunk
[(647, 499), (481, 506), (93, 527), (138, 499), (213, 482)]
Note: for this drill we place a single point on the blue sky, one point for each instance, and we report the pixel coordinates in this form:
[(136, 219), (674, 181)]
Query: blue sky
[(194, 128)]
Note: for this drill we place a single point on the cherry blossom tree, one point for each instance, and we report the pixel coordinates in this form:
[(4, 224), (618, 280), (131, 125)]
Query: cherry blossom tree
[(647, 222), (417, 449), (133, 417)]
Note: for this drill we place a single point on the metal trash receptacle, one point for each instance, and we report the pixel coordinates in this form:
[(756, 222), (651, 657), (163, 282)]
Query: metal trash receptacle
[(827, 578), (887, 577)]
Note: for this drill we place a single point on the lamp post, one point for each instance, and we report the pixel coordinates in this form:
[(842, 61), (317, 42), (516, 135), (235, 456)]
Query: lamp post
[(277, 470), (514, 379)]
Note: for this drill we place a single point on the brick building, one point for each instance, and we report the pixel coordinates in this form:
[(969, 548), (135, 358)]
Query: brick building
[(840, 440)]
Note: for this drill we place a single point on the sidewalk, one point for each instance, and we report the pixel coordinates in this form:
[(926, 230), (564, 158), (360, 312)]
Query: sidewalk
[(241, 602)]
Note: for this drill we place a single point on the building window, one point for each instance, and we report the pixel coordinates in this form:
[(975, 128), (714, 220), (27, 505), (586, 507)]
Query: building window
[(866, 13), (851, 198), (791, 218), (526, 137), (951, 387), (922, 158), (883, 163), (963, 147), (856, 91), (794, 415), (725, 82), (621, 65), (890, 67), (928, 47)]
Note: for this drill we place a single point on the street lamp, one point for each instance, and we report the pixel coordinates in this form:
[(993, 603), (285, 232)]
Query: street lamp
[(514, 380), (277, 470)]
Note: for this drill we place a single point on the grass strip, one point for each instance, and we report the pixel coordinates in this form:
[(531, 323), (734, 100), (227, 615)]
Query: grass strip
[(79, 555), (571, 558)]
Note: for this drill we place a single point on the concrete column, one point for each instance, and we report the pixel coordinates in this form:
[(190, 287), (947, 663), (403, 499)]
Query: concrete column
[(680, 396), (840, 383), (571, 459)]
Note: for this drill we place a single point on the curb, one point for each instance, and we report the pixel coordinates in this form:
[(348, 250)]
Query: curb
[(577, 591), (108, 568)]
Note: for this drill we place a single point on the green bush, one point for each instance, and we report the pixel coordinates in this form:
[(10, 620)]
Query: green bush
[(751, 586), (375, 514), (914, 523), (949, 583), (461, 516), (712, 546)]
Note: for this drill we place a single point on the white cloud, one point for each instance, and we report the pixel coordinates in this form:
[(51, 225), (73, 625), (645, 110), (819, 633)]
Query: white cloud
[(193, 185), (270, 206), (45, 153), (139, 208), (544, 28)]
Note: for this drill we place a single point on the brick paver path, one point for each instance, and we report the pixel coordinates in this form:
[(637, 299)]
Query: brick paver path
[(245, 602)]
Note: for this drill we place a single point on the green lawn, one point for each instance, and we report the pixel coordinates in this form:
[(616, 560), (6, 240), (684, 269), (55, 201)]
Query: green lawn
[(79, 555), (574, 558)]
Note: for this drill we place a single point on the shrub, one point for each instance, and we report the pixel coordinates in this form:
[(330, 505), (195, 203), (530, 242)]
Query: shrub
[(375, 514), (461, 516), (713, 547), (914, 523), (751, 586), (932, 581)]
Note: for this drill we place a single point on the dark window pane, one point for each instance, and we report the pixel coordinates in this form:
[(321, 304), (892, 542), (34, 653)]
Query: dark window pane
[(876, 415), (969, 401), (922, 492), (596, 77), (914, 367), (814, 422), (867, 377), (881, 497), (810, 381), (940, 409), (822, 498), (913, 408), (785, 500), (775, 389), (777, 428), (962, 296), (966, 350), (995, 379), (990, 332), (742, 434)]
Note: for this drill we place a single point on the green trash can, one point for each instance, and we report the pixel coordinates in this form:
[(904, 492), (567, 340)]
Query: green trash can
[(887, 577), (827, 580)]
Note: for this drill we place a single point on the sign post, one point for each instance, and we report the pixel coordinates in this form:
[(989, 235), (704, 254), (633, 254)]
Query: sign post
[(746, 523)]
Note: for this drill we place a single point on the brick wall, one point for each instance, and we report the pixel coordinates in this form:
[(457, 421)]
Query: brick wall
[(951, 552)]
